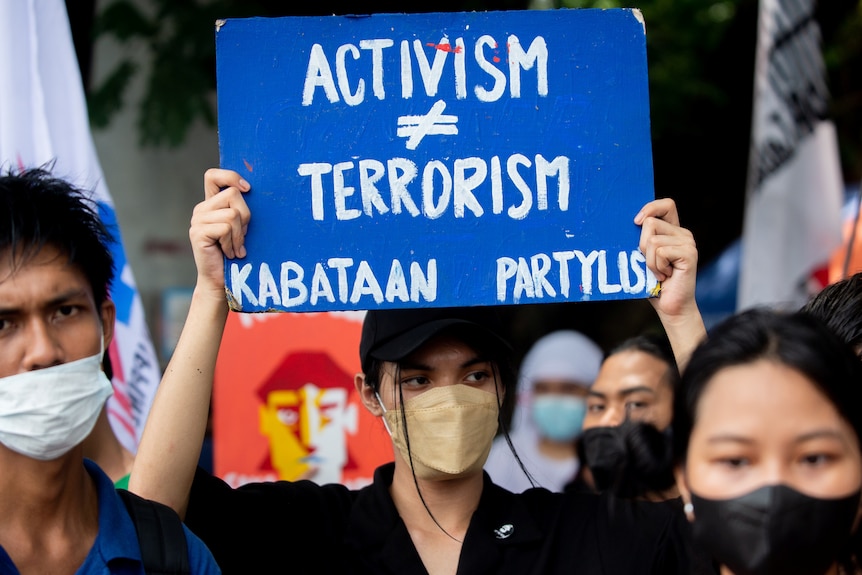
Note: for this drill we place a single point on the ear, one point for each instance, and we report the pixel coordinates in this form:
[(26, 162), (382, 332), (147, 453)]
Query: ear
[(679, 475), (366, 393), (501, 388), (108, 314)]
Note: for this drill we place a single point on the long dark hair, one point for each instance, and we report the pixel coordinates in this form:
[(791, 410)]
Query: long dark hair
[(504, 375)]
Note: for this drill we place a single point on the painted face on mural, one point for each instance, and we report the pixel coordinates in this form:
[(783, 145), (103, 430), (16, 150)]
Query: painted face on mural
[(307, 417)]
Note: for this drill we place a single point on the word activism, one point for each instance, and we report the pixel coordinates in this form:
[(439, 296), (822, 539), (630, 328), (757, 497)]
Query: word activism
[(337, 86)]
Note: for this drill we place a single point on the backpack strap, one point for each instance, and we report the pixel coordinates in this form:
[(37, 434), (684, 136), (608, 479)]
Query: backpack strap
[(164, 550)]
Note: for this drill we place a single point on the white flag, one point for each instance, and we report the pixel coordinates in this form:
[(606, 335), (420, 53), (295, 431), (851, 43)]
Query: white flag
[(43, 118), (792, 218)]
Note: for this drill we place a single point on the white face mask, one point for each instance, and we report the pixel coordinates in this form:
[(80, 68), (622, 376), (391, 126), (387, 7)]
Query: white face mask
[(46, 412)]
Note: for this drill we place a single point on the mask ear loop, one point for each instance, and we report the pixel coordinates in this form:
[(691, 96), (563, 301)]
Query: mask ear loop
[(102, 349), (385, 411)]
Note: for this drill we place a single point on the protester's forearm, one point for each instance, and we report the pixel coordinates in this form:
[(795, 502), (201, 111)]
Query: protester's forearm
[(685, 331), (170, 447)]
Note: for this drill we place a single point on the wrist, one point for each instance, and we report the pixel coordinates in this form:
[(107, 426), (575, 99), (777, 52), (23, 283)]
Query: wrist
[(685, 330), (210, 298)]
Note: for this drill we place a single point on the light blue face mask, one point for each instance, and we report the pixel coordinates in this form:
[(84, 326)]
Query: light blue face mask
[(559, 417)]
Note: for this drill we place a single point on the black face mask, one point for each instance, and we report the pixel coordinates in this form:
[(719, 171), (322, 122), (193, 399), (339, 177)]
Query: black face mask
[(629, 460), (774, 530), (602, 450)]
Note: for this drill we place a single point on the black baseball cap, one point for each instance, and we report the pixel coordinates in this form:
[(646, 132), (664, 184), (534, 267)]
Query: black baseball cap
[(392, 334)]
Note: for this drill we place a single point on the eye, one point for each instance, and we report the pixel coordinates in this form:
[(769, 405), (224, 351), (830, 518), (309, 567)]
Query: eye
[(734, 462), (636, 405), (415, 381), (478, 376), (287, 416), (65, 311), (595, 407), (817, 459)]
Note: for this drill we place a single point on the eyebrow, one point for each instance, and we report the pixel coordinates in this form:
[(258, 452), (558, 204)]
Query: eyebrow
[(53, 302), (624, 392), (816, 434), (407, 364), (729, 437), (820, 434)]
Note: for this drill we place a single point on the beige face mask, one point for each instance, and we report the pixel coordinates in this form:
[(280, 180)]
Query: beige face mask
[(451, 429)]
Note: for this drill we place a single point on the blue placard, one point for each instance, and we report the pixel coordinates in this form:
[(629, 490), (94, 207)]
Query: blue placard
[(401, 160)]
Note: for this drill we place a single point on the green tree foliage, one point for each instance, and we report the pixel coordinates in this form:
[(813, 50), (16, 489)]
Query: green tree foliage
[(843, 54), (701, 67), (179, 35)]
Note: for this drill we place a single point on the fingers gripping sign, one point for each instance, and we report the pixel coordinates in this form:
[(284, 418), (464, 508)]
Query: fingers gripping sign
[(671, 254), (669, 249), (218, 226)]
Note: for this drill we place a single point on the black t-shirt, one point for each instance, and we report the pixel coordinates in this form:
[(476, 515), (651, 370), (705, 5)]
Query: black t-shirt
[(301, 527)]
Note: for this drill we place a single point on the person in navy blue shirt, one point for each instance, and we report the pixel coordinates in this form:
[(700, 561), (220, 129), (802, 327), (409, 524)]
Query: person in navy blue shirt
[(61, 513)]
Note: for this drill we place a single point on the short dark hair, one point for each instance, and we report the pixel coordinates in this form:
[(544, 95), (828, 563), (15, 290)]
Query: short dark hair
[(39, 210), (656, 345), (839, 306)]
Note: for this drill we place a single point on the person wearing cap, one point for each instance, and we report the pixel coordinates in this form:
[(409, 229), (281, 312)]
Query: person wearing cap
[(554, 379), (437, 379)]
